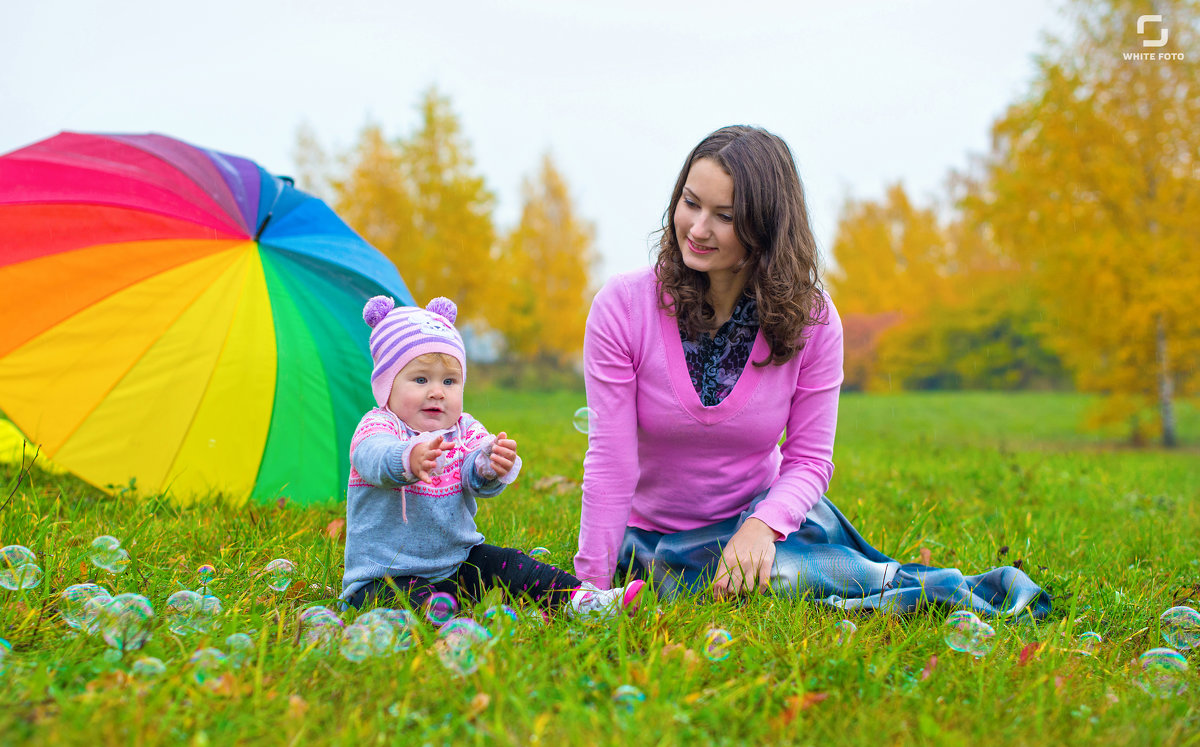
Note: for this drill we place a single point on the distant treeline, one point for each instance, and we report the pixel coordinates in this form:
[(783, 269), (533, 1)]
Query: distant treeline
[(1067, 256)]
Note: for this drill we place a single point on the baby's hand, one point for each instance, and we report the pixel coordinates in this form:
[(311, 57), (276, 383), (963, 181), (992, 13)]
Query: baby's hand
[(504, 454), (422, 460)]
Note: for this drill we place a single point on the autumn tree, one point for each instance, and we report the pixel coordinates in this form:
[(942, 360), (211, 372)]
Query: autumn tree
[(889, 256), (928, 301), (419, 200), (548, 259), (1094, 184)]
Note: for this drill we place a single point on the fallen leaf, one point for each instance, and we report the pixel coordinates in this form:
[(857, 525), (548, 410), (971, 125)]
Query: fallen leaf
[(795, 705), (478, 705), (926, 556), (929, 667), (228, 686), (297, 706), (336, 530), (548, 482), (1027, 653), (677, 649)]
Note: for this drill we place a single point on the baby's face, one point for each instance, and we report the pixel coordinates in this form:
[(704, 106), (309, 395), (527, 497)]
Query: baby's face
[(427, 395)]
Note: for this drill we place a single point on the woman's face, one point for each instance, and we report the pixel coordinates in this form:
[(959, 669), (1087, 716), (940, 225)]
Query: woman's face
[(704, 221)]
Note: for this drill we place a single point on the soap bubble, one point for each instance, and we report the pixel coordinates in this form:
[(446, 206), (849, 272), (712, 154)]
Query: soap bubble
[(440, 608), (1164, 672), (382, 638), (206, 573), (5, 650), (982, 641), (468, 628), (128, 619), (72, 603), (320, 625), (207, 665), (148, 667), (241, 649), (206, 616), (461, 645), (182, 611), (458, 654), (540, 554), (959, 626), (718, 644), (584, 417), (19, 568), (107, 554), (845, 631), (94, 611), (402, 625), (119, 562), (102, 548), (1089, 642), (356, 642), (279, 574), (503, 616), (627, 697), (1181, 628)]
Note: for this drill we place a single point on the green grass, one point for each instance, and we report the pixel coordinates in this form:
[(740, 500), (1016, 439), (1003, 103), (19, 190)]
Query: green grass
[(1112, 532)]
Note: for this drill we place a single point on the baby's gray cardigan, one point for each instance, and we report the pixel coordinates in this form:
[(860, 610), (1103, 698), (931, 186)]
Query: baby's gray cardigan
[(439, 533)]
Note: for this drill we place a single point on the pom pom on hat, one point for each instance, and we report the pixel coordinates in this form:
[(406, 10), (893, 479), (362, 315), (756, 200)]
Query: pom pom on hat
[(444, 307), (377, 308)]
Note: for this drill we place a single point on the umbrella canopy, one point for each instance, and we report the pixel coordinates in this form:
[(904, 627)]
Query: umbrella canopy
[(181, 317)]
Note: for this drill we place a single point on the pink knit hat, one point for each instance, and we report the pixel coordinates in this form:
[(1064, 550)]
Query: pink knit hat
[(400, 334)]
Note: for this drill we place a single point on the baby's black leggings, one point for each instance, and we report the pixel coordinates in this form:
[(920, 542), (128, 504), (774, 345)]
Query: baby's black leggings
[(486, 567)]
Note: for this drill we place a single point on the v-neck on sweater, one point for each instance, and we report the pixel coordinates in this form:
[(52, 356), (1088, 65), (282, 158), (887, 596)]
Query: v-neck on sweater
[(660, 460)]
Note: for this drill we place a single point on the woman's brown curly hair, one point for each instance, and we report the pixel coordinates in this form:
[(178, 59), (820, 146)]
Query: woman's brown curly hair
[(771, 220)]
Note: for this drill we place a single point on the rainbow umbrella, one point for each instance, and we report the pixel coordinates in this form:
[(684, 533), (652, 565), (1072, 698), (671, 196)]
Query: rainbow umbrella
[(180, 317)]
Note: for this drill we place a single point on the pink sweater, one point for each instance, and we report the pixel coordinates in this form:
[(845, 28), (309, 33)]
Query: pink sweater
[(658, 459)]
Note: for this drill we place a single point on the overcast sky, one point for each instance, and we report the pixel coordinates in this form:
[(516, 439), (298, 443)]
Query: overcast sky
[(866, 93)]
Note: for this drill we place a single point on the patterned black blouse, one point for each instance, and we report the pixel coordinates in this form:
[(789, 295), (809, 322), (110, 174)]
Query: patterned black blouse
[(715, 363)]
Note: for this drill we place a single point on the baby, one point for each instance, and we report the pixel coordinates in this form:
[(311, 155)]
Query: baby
[(418, 465)]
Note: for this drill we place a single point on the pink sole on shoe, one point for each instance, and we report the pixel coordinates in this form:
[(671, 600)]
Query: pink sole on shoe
[(629, 602)]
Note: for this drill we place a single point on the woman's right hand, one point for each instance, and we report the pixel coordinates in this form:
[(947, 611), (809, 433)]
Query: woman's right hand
[(746, 560)]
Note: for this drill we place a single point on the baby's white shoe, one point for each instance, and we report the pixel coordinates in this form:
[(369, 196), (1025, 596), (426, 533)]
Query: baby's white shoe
[(588, 601)]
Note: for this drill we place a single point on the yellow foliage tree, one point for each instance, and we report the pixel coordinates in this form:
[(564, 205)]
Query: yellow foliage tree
[(1094, 184), (548, 260), (890, 256), (420, 202)]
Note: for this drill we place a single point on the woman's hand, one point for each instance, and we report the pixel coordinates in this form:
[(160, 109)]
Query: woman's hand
[(423, 457), (504, 454), (746, 561)]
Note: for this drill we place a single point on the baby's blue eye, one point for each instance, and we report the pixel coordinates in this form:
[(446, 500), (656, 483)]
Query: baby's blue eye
[(448, 382), (420, 379)]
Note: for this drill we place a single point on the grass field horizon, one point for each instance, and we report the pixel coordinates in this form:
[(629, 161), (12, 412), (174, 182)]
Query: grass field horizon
[(970, 480)]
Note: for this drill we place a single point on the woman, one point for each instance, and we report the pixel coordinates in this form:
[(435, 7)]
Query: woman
[(695, 368)]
